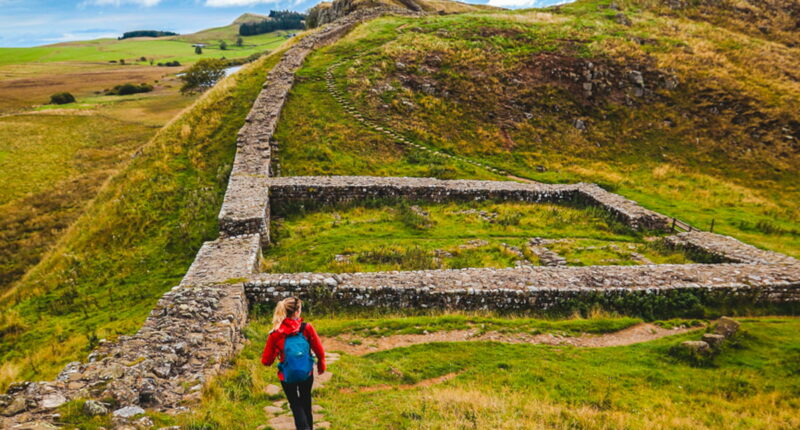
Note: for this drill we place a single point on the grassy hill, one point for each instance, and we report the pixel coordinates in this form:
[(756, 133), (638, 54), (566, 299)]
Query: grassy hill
[(53, 159), (694, 119), (135, 239)]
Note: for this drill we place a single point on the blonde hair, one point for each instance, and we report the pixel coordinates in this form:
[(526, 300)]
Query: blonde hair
[(285, 309)]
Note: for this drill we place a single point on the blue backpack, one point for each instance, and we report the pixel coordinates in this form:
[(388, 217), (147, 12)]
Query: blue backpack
[(297, 362)]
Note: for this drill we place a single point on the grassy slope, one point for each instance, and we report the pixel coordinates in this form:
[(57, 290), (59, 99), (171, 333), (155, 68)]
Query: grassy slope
[(53, 164), (752, 385), (398, 237), (133, 242), (719, 146)]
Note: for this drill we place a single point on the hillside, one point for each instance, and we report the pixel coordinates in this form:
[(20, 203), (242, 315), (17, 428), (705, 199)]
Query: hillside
[(100, 275), (693, 119)]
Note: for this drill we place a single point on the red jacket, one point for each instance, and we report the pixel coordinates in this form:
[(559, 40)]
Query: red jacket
[(274, 346)]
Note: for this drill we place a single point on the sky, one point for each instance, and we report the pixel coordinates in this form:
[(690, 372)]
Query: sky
[(41, 22)]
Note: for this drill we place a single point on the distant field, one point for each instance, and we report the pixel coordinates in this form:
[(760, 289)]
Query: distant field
[(28, 76), (160, 49)]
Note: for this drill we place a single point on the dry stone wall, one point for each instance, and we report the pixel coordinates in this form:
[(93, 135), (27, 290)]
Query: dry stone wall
[(246, 206), (726, 249), (533, 288), (193, 330), (326, 190)]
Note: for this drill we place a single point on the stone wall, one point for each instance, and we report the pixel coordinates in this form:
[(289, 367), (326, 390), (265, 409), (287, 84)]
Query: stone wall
[(245, 206), (287, 191), (191, 332), (725, 249), (533, 288)]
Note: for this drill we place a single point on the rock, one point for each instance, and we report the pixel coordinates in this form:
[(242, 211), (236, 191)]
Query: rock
[(714, 340), (53, 400), (636, 77), (94, 408), (579, 124), (726, 327), (14, 407), (128, 411), (272, 410), (36, 425), (272, 390), (697, 347), (143, 423), (322, 425), (316, 408), (114, 371)]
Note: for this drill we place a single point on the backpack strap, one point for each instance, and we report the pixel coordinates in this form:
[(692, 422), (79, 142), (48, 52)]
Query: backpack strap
[(302, 328)]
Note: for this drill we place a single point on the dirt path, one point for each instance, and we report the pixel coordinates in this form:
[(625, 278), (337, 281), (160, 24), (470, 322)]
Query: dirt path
[(639, 333)]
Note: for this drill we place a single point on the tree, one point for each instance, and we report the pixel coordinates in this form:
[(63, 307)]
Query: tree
[(239, 41), (223, 45), (203, 75), (62, 98), (198, 50)]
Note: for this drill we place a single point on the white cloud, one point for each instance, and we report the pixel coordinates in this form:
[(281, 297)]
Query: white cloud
[(234, 3), (145, 3), (521, 4)]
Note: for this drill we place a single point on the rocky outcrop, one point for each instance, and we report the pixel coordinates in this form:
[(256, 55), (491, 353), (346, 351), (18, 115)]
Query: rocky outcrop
[(327, 12)]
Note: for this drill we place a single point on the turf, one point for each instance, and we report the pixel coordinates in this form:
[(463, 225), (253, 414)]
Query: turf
[(385, 236), (752, 384)]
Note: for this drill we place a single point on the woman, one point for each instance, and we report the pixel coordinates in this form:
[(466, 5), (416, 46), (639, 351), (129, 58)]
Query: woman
[(292, 340)]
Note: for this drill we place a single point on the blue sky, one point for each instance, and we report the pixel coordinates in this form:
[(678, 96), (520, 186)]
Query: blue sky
[(39, 22)]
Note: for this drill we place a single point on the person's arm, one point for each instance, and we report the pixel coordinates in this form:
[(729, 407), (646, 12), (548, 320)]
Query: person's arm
[(270, 350), (316, 346)]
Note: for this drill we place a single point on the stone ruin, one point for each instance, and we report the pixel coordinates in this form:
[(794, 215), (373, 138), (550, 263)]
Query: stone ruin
[(196, 328)]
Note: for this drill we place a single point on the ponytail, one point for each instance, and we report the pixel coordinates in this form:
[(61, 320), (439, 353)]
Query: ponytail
[(285, 309)]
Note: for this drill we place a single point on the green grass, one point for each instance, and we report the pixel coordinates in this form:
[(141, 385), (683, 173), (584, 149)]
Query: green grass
[(178, 48), (701, 152), (386, 236), (133, 243), (752, 384), (403, 324)]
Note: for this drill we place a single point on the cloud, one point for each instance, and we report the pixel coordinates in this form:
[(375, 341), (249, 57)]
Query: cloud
[(521, 4), (145, 3), (234, 3)]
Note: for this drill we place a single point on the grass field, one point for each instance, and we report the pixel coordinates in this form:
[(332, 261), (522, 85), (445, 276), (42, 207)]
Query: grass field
[(720, 146), (405, 236), (752, 384)]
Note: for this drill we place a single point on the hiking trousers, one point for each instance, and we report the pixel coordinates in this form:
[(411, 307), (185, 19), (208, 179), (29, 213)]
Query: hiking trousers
[(299, 397)]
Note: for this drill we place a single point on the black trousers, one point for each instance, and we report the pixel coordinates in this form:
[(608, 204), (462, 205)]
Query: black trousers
[(299, 397)]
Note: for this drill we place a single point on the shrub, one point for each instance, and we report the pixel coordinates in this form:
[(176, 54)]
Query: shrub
[(223, 45), (62, 98), (129, 88)]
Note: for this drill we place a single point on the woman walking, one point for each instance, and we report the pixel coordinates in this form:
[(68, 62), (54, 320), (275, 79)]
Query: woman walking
[(291, 341)]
